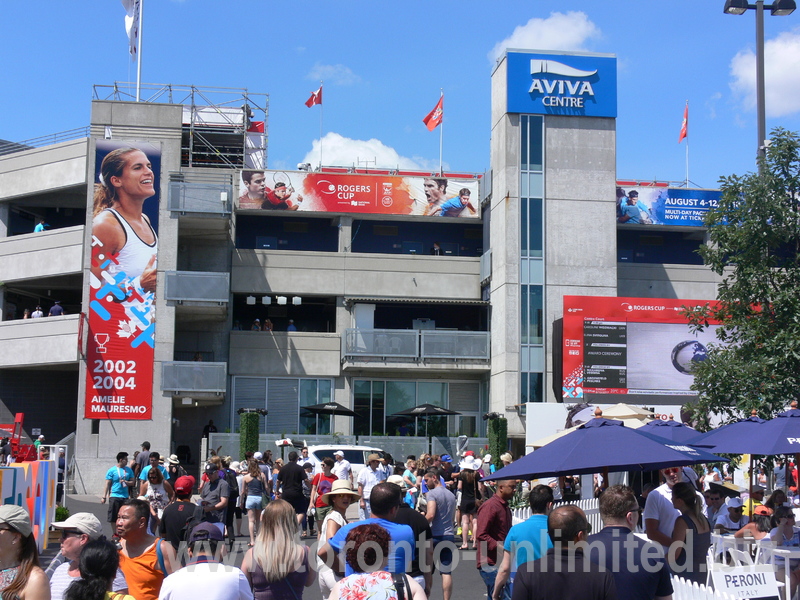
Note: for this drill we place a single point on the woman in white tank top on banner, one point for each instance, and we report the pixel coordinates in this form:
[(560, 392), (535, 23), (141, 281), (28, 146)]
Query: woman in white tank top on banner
[(119, 224)]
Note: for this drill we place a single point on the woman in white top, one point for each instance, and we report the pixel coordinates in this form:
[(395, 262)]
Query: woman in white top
[(339, 498), (159, 494), (119, 225)]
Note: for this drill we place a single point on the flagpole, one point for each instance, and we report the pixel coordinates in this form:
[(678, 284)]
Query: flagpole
[(139, 53), (320, 129), (441, 136), (687, 146)]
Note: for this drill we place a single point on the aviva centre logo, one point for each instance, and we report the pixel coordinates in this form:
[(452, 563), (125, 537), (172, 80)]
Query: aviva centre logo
[(562, 84)]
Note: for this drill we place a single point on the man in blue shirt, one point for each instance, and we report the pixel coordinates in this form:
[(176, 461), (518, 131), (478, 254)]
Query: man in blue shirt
[(154, 460), (526, 541), (630, 212), (455, 206), (385, 499), (119, 481)]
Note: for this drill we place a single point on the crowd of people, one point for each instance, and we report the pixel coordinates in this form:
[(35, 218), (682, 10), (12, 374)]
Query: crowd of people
[(415, 516)]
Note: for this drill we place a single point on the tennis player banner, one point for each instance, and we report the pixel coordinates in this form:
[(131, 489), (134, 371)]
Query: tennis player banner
[(121, 340), (359, 193)]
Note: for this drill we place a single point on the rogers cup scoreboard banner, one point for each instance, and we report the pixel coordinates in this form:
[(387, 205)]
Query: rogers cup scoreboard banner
[(121, 339), (362, 194), (616, 345)]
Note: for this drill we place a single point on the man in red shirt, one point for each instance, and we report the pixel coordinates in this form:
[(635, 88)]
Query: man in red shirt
[(493, 523), (320, 485)]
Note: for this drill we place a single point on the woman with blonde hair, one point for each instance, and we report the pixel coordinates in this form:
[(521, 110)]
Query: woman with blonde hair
[(20, 575), (277, 567), (255, 486)]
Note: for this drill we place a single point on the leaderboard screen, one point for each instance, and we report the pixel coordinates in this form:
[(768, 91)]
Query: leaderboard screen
[(617, 345)]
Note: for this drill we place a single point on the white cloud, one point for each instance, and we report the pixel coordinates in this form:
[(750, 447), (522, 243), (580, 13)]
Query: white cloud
[(559, 31), (335, 74), (340, 151), (711, 104), (781, 75)]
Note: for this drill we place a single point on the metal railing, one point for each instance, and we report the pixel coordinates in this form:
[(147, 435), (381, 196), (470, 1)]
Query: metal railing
[(415, 344), (206, 198), (197, 286), (486, 266), (7, 147), (194, 376), (454, 344)]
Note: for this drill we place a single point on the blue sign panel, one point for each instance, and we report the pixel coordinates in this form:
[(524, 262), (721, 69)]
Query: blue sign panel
[(665, 206), (562, 84)]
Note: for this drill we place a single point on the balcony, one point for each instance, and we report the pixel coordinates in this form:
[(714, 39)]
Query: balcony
[(198, 293), (203, 382), (427, 349), (203, 203), (48, 341), (45, 254)]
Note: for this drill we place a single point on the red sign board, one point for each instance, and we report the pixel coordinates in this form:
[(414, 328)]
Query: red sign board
[(615, 345)]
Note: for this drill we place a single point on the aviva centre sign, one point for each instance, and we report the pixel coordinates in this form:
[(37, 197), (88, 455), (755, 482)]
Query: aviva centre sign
[(562, 84)]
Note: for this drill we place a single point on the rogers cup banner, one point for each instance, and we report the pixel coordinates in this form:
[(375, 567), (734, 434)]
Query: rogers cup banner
[(355, 193), (121, 340), (617, 345)]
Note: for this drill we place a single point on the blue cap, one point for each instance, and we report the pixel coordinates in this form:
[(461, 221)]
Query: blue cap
[(446, 458)]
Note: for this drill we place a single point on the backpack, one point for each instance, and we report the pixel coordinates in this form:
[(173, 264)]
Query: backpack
[(233, 485), (191, 523)]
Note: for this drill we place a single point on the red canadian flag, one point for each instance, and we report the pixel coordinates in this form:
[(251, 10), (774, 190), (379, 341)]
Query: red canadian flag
[(685, 125), (434, 118), (316, 98)]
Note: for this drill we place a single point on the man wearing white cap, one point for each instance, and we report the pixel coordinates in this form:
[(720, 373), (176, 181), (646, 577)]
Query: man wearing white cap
[(76, 532), (733, 519), (342, 468)]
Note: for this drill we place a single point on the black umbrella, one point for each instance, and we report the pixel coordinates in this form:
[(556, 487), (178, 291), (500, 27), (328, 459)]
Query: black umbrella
[(425, 410), (330, 408)]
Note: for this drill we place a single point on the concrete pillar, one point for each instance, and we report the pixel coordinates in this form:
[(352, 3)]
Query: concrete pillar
[(345, 233)]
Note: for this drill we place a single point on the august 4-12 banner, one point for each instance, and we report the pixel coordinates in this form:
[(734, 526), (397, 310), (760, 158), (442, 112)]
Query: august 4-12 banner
[(121, 340)]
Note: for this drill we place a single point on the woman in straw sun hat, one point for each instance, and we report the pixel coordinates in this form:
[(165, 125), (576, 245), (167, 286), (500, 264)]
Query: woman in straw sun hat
[(339, 499)]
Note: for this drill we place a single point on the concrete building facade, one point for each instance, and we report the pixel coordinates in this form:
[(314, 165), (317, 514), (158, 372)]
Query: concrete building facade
[(380, 328)]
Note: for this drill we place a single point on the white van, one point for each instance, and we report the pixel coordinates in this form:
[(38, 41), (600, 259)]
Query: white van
[(355, 455)]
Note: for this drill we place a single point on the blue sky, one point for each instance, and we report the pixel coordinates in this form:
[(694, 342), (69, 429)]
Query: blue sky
[(384, 63)]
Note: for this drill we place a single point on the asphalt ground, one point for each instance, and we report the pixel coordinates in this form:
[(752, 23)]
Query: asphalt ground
[(467, 582)]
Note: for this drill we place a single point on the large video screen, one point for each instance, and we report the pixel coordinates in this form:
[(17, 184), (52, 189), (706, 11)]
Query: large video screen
[(617, 345), (359, 193)]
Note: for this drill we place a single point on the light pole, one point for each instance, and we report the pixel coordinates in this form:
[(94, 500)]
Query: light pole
[(779, 8)]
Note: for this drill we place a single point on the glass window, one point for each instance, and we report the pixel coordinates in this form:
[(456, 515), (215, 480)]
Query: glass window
[(308, 397), (523, 388), (535, 314), (432, 392), (362, 395), (533, 141), (523, 132), (536, 387), (400, 395), (535, 239), (523, 316), (523, 225), (378, 403)]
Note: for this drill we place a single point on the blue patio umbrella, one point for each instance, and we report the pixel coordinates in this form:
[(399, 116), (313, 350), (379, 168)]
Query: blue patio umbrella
[(671, 430), (603, 445), (781, 435), (745, 436)]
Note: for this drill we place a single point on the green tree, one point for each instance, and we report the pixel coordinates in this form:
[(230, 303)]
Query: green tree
[(754, 244)]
